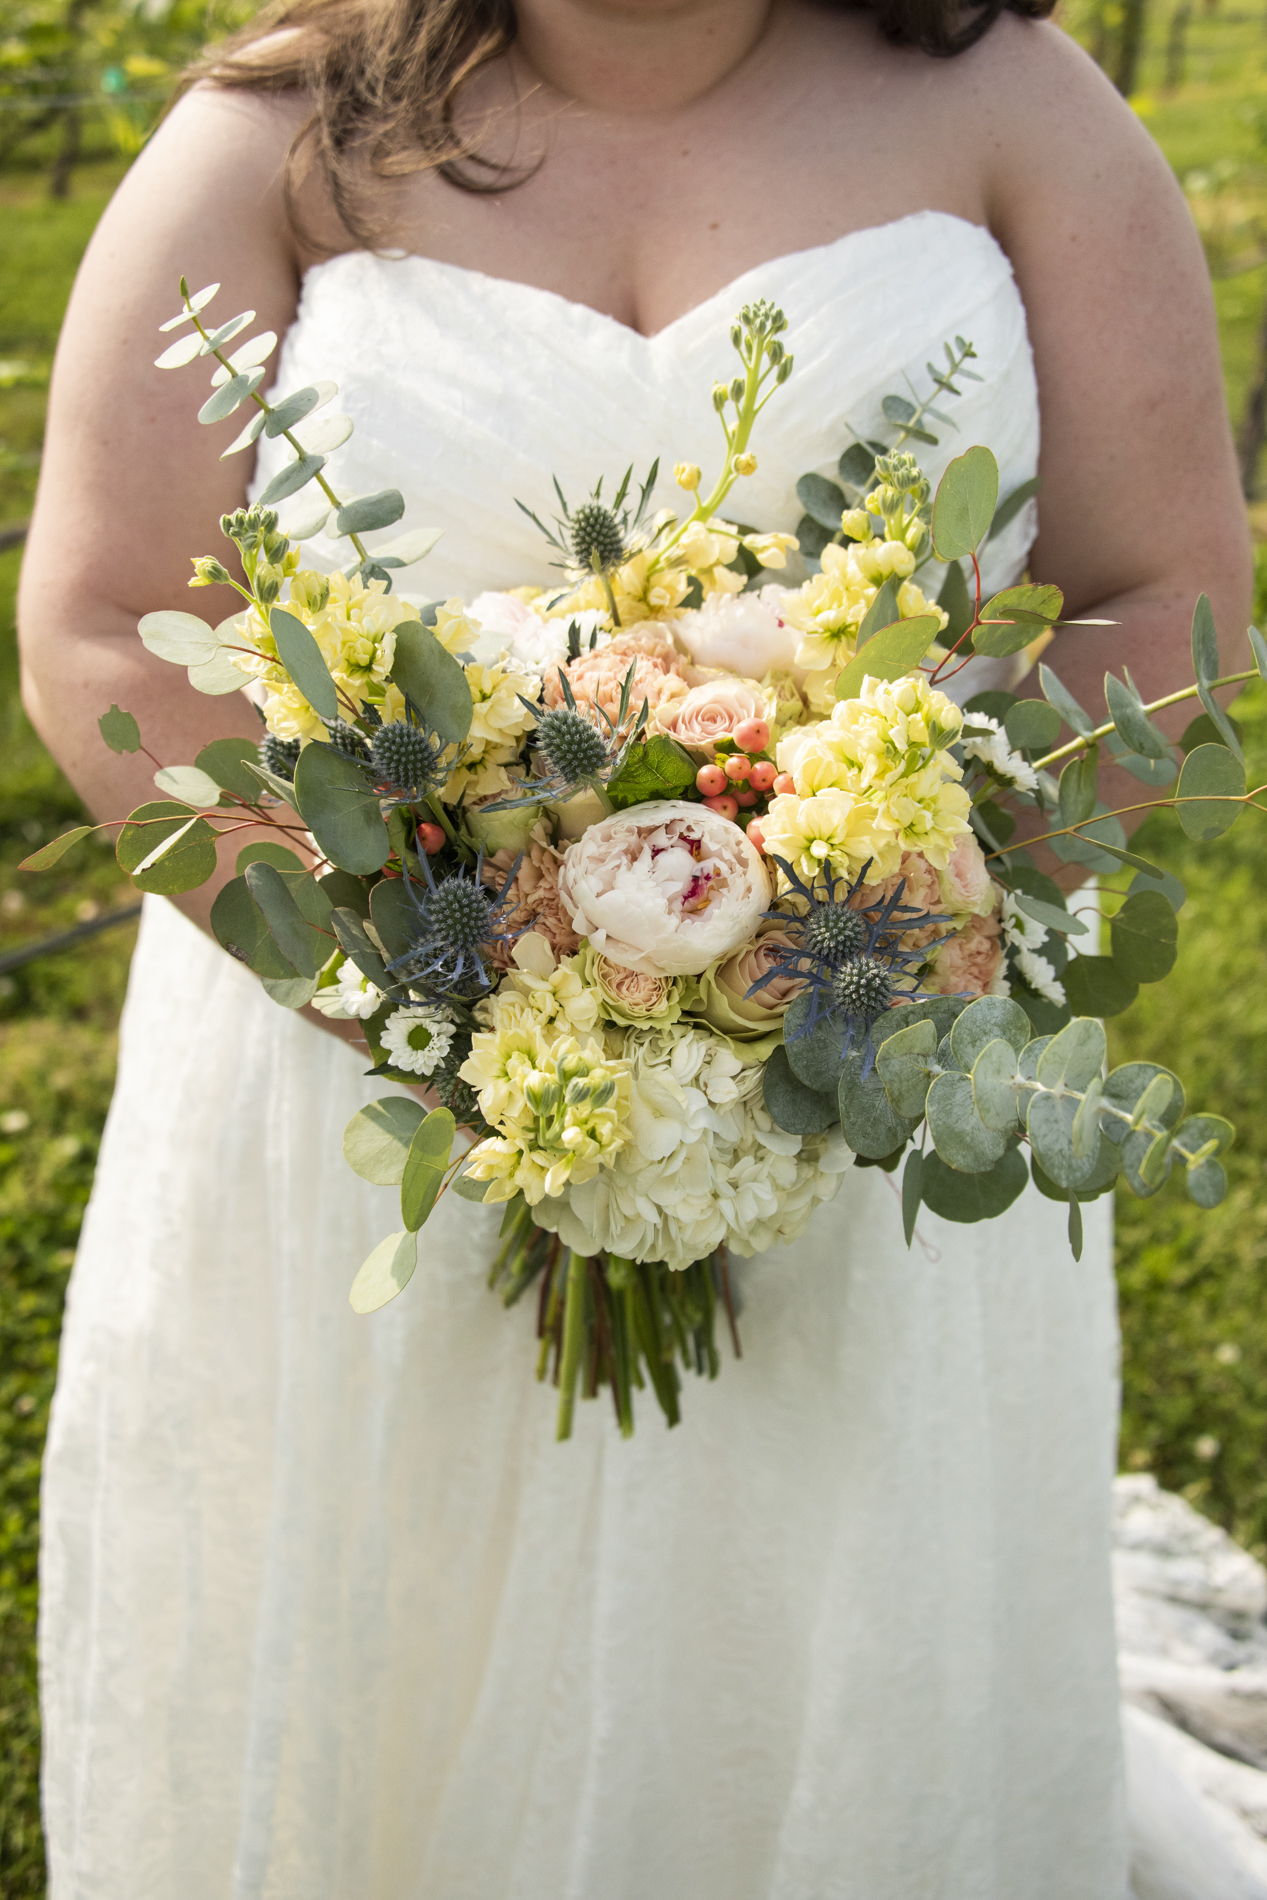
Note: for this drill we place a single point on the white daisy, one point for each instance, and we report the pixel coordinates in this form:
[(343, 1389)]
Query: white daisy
[(1040, 975), (418, 1039), (992, 749), (353, 996)]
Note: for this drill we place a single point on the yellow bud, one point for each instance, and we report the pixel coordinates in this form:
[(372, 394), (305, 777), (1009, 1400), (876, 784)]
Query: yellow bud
[(745, 464), (687, 476)]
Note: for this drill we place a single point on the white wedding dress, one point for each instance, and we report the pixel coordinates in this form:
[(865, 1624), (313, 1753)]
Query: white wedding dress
[(327, 1613)]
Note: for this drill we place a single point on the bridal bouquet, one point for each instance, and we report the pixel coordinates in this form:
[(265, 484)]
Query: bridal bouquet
[(680, 887)]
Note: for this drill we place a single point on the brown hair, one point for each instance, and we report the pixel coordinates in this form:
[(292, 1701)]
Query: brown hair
[(384, 75)]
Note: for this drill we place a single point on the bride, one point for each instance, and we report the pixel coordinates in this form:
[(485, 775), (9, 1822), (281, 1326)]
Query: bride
[(326, 1611)]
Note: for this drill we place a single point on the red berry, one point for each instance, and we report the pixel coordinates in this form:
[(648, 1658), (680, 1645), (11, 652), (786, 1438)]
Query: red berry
[(725, 806), (753, 735), (764, 773), (745, 798), (738, 766), (785, 783), (711, 780), (755, 834), (430, 838)]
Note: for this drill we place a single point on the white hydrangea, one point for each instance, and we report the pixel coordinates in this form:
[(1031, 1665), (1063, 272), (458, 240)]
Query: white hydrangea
[(992, 749), (418, 1038), (352, 997), (706, 1164)]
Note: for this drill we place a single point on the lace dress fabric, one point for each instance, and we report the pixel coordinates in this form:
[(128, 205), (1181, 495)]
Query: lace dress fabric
[(326, 1610)]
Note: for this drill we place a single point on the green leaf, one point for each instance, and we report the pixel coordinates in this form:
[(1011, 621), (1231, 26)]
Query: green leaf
[(292, 992), (48, 854), (1075, 1227), (289, 480), (958, 1133), (1019, 615), (348, 892), (167, 848), (222, 763), (414, 545), (1049, 1124), (1098, 986), (1066, 705), (1145, 1091), (1086, 1123), (181, 638), (973, 1197), (1214, 779), (956, 602), (822, 501), (349, 928), (394, 916), (223, 401), (994, 1075), (1108, 1166), (911, 1192), (1051, 916), (468, 1190), (963, 509), (870, 1123), (1032, 725), (1201, 1135), (1258, 646), (882, 612), (1074, 1056), (186, 782), (377, 1140), (1203, 731), (240, 928), (298, 942), (1151, 772), (1207, 1184), (1145, 937), (120, 731), (280, 787), (799, 1110), (1008, 509), (216, 676), (889, 654), (425, 1164), (184, 350), (368, 512), (301, 656), (293, 409), (660, 768), (902, 1062), (811, 538), (1078, 783), (337, 805), (1132, 722), (815, 1058), (1205, 642), (981, 1022), (386, 1273), (433, 680), (897, 409), (857, 466)]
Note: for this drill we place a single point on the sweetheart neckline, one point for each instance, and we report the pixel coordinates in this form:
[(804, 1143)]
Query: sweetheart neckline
[(601, 317)]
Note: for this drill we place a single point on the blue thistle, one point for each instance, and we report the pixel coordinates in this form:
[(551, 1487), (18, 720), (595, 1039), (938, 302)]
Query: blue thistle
[(597, 536), (279, 756), (406, 761), (579, 748), (850, 959), (461, 920)]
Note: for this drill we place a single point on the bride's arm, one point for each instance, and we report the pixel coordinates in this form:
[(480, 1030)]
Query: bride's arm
[(1140, 509)]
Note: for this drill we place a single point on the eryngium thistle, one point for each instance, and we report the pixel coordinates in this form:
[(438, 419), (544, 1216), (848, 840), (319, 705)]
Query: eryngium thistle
[(833, 933), (460, 921), (574, 749), (406, 759), (863, 989), (347, 741), (279, 756), (597, 541)]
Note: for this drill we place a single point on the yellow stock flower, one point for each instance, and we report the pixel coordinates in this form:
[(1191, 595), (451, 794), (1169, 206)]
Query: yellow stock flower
[(354, 625), (833, 829), (828, 610)]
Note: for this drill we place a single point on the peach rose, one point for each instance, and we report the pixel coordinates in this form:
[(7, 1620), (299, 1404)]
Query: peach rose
[(535, 893), (711, 712), (597, 678), (965, 883), (971, 963)]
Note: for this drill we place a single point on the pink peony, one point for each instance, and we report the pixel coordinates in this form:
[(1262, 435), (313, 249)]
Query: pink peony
[(971, 963), (535, 891), (597, 678), (711, 712), (965, 883), (666, 888), (920, 889)]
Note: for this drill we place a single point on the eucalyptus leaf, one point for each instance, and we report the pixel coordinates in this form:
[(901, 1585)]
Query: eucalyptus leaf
[(179, 637), (377, 1139), (301, 656), (251, 432), (1049, 915), (425, 1164), (1207, 1183), (1066, 705), (349, 928), (958, 1133), (324, 435), (188, 783), (226, 332), (386, 1273), (1032, 725), (50, 854), (347, 892), (414, 545), (166, 848), (468, 1189), (870, 1123), (1215, 780), (241, 928), (293, 409), (1108, 1166), (302, 946), (822, 501), (120, 730), (184, 350), (1151, 772), (339, 807), (1098, 986), (289, 480), (1078, 783), (230, 396), (221, 761), (280, 787), (963, 508), (973, 1197), (1212, 1134), (1145, 937), (217, 675), (1203, 731), (811, 539), (957, 604), (1074, 1056), (912, 1175), (994, 1077), (1145, 1091), (370, 511), (889, 654), (1258, 646), (981, 1022), (902, 1062), (395, 919), (1132, 722), (1014, 618), (194, 305), (1205, 642), (799, 1110), (1050, 1124), (433, 680), (882, 612), (266, 852), (857, 465), (897, 409), (1009, 508)]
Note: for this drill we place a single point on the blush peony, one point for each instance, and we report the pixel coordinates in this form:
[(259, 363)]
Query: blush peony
[(665, 888)]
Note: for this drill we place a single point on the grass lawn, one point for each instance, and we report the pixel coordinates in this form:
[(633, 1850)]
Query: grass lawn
[(1195, 1340)]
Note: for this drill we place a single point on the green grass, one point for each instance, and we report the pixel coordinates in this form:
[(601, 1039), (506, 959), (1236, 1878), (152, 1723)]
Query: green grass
[(1194, 1332)]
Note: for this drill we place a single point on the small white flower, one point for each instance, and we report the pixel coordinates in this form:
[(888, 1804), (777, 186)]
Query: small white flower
[(1040, 975), (1020, 932), (353, 996), (418, 1039), (993, 750)]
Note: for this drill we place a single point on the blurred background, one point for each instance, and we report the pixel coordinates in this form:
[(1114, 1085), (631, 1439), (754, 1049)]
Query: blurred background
[(81, 84)]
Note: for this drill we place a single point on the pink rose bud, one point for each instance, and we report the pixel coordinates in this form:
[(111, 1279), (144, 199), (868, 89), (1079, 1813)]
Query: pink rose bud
[(756, 837), (745, 798), (738, 766), (764, 775), (725, 806), (753, 735), (784, 783), (711, 780), (430, 838)]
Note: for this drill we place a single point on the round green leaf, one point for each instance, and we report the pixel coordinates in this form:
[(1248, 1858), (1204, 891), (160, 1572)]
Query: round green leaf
[(902, 1062), (958, 1133), (1203, 731), (981, 1022), (1145, 937), (1032, 725), (292, 992), (870, 1123), (1207, 1183), (293, 409), (1145, 1092), (339, 808), (972, 1197), (217, 675), (120, 731), (289, 480), (167, 848), (1215, 781), (222, 762), (1098, 986), (179, 637), (240, 927), (386, 1273), (425, 1164), (1074, 1056), (433, 680), (302, 946), (368, 512), (1014, 618), (377, 1139), (994, 1094), (188, 783), (223, 401), (964, 506), (800, 1110), (822, 501), (889, 654), (1050, 1128)]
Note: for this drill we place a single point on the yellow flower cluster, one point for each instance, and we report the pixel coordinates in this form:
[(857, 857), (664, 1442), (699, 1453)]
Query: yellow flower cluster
[(499, 720), (560, 1103), (354, 624), (651, 585), (873, 781), (828, 610)]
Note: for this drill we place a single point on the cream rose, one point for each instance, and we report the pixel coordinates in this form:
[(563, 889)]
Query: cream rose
[(724, 1000), (665, 888), (966, 886), (711, 712)]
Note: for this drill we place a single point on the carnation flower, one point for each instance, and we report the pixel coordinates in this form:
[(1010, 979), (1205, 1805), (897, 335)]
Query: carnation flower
[(665, 888), (532, 897), (598, 677), (992, 749), (418, 1039), (740, 633), (971, 963), (354, 624), (711, 712)]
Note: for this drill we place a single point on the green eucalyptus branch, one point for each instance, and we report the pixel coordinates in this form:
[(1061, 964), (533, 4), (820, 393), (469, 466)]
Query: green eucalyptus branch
[(1123, 811), (1172, 699)]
